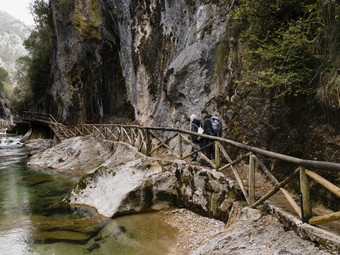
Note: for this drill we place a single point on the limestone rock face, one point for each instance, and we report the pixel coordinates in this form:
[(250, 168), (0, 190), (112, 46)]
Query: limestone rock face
[(117, 188), (149, 60)]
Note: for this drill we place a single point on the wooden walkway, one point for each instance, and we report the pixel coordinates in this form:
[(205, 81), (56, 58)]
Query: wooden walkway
[(176, 143)]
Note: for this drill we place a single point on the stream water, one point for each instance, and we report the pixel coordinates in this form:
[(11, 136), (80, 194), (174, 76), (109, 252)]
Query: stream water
[(33, 222)]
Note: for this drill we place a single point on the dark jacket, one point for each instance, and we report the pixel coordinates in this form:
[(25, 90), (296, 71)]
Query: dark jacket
[(194, 128), (207, 125)]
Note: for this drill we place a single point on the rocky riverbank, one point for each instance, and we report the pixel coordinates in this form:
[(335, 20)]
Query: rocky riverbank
[(117, 180)]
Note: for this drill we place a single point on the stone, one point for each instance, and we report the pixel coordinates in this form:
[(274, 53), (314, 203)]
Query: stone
[(36, 146), (75, 156), (117, 188), (252, 232)]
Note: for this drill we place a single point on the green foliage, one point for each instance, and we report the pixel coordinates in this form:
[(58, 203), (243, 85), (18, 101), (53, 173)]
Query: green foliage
[(3, 78), (40, 46), (21, 97), (278, 43)]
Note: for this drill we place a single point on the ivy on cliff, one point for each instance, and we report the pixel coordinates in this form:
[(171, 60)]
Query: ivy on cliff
[(279, 45)]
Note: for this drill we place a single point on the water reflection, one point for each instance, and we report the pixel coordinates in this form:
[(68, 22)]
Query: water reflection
[(14, 200), (33, 221)]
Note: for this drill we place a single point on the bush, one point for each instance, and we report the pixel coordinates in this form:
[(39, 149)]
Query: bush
[(280, 46)]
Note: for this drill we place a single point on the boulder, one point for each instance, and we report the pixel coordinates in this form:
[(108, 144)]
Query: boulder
[(36, 146), (252, 232), (75, 156), (117, 188)]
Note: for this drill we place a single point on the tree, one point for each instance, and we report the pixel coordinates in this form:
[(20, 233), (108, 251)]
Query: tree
[(3, 78), (40, 45)]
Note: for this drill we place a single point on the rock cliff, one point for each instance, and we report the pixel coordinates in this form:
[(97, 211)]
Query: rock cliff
[(148, 60), (156, 62)]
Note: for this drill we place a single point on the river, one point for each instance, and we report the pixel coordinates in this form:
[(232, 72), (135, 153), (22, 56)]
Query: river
[(33, 222)]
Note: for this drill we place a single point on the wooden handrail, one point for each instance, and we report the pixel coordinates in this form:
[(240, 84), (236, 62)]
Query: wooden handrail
[(302, 162), (140, 137)]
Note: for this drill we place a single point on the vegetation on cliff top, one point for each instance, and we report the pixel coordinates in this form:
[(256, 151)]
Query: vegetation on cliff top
[(290, 47)]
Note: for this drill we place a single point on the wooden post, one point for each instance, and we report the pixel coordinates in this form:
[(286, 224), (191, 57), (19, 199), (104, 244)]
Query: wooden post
[(180, 148), (217, 156), (251, 179), (121, 137), (306, 207)]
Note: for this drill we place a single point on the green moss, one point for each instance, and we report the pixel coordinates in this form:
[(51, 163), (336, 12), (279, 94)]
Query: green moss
[(88, 24)]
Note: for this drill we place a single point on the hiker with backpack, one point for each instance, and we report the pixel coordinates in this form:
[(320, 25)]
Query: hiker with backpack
[(212, 125), (208, 130), (196, 126)]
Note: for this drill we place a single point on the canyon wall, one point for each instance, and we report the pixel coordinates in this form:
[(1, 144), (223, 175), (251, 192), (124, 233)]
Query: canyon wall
[(152, 61)]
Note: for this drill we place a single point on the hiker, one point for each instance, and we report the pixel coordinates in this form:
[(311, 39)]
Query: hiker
[(196, 126), (208, 130)]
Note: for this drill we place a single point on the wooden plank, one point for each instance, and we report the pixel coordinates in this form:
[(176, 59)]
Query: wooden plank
[(99, 131), (251, 180), (217, 155), (291, 201), (234, 162), (207, 159), (327, 184), (235, 172), (162, 142), (195, 151), (88, 131), (134, 136), (141, 139), (274, 181), (325, 218), (111, 133), (200, 153), (304, 188), (127, 136), (165, 145), (77, 129), (275, 189), (62, 130)]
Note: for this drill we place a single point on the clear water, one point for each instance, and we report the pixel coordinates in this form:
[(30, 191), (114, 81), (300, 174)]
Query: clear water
[(29, 212)]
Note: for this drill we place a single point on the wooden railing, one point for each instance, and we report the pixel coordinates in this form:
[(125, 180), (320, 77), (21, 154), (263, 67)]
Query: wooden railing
[(159, 141)]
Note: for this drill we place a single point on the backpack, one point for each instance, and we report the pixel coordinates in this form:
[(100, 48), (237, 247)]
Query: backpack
[(200, 130), (216, 125)]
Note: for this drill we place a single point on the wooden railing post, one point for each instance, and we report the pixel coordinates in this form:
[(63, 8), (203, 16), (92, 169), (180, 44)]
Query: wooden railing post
[(217, 155), (121, 137), (180, 148), (306, 207), (251, 179)]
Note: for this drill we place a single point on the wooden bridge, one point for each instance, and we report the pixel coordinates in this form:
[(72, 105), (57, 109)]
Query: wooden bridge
[(159, 141)]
